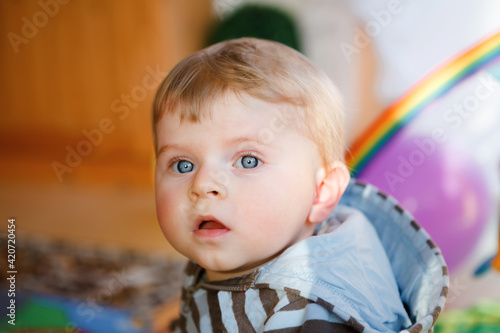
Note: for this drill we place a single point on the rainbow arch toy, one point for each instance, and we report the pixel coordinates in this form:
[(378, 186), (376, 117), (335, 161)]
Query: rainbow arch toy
[(431, 87)]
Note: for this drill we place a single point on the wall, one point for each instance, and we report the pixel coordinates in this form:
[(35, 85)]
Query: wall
[(78, 79)]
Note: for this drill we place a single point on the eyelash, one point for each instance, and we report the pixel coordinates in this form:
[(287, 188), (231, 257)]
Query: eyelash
[(249, 153), (176, 159)]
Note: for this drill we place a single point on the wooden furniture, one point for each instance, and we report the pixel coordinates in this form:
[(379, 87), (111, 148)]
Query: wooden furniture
[(77, 82), (78, 78)]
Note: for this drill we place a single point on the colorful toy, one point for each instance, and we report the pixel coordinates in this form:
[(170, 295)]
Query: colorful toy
[(49, 313), (481, 318), (430, 88), (496, 262), (424, 150)]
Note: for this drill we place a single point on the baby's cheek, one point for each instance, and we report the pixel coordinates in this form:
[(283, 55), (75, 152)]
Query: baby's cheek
[(169, 223), (166, 206), (263, 210)]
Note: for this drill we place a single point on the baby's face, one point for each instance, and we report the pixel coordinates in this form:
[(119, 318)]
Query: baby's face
[(236, 189)]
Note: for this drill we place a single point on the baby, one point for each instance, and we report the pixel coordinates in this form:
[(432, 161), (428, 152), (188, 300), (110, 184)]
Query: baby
[(249, 143)]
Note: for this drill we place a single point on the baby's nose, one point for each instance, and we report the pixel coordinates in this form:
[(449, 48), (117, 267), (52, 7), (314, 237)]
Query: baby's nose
[(208, 184)]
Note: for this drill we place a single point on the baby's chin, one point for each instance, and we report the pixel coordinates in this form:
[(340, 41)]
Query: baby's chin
[(217, 273)]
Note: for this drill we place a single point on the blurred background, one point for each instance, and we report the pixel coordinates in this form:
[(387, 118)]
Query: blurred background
[(76, 173)]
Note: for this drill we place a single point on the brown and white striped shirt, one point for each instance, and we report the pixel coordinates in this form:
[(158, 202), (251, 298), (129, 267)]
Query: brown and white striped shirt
[(239, 305)]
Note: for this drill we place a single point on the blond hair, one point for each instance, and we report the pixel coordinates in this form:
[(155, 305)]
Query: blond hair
[(265, 70)]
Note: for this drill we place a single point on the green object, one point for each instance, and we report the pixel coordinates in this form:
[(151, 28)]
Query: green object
[(258, 21), (36, 314), (482, 318)]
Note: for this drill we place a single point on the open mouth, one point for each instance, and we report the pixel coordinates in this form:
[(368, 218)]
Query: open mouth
[(211, 225)]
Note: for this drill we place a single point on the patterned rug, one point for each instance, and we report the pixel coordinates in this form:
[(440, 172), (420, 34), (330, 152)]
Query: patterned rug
[(64, 287)]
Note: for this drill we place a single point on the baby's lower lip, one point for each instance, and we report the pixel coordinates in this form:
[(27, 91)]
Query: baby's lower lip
[(211, 229), (211, 233)]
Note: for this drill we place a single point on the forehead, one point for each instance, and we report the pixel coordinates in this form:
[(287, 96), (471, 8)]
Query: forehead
[(239, 112)]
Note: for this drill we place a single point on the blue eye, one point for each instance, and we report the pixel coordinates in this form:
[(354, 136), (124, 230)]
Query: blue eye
[(248, 162), (183, 166)]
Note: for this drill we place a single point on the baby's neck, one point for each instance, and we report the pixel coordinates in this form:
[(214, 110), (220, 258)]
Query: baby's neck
[(213, 276)]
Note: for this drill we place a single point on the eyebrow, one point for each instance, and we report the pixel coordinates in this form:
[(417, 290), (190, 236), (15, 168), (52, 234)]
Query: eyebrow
[(171, 146), (252, 140)]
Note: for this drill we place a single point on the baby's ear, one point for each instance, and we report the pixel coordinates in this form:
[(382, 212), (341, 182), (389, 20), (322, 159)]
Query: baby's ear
[(331, 186)]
